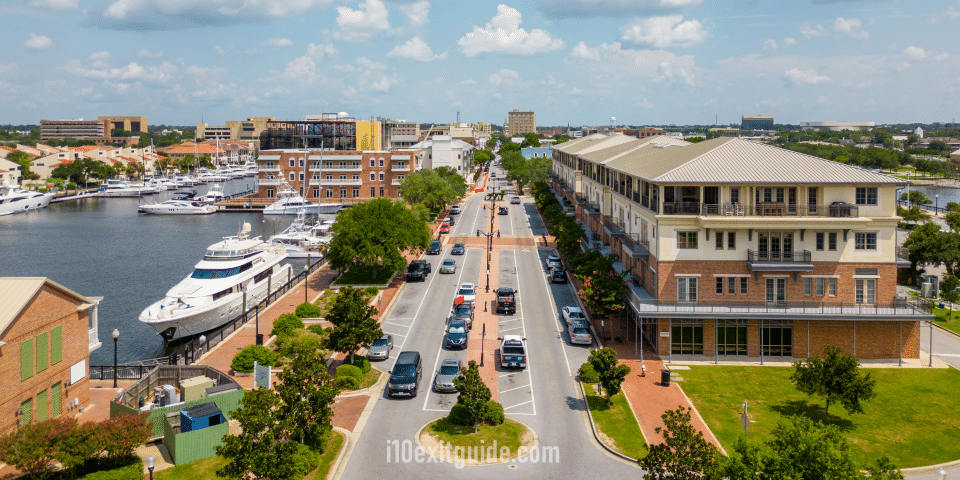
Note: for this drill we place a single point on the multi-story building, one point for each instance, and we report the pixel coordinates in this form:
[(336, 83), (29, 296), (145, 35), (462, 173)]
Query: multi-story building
[(464, 132), (401, 134), (836, 126), (482, 127), (641, 132), (127, 124), (756, 122), (444, 151), (521, 123), (242, 130), (79, 129), (336, 176), (329, 131), (736, 248), (10, 172), (47, 332)]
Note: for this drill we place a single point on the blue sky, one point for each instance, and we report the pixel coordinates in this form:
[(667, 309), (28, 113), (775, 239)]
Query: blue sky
[(645, 62)]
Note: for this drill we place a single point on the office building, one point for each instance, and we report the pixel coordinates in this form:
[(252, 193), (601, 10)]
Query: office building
[(837, 126), (756, 122), (521, 123), (78, 129), (127, 124)]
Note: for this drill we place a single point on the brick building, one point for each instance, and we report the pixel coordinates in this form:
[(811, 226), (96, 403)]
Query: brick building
[(47, 333), (735, 248), (336, 176), (521, 123)]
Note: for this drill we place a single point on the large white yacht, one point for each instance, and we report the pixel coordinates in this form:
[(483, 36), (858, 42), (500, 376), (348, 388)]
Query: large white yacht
[(213, 294), (14, 199), (119, 188), (303, 240), (214, 195), (181, 204), (289, 202)]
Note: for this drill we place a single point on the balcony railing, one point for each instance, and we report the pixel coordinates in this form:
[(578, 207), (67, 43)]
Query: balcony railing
[(780, 261), (315, 181), (400, 168), (339, 168), (269, 169), (763, 209), (395, 181), (637, 247), (270, 182), (342, 181), (612, 228)]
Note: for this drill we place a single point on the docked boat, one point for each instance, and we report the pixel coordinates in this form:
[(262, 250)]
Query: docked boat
[(303, 240), (14, 199), (119, 188), (213, 294), (181, 204), (214, 195), (289, 202)]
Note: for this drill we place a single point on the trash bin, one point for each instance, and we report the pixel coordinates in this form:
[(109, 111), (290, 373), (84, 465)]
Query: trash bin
[(665, 377)]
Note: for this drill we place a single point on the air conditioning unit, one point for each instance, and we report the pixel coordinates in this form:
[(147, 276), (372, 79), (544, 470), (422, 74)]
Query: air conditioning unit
[(926, 290), (170, 395)]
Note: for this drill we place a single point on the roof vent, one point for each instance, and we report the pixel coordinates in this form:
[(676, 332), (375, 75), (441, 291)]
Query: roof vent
[(662, 145)]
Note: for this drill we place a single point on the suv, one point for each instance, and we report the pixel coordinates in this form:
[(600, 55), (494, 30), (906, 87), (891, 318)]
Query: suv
[(418, 270), (558, 275), (506, 300), (456, 334), (580, 333), (503, 210), (455, 210), (468, 292), (513, 351), (464, 311), (405, 376), (572, 314), (553, 261), (434, 248)]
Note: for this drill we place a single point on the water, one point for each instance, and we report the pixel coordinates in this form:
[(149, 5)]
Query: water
[(102, 247), (946, 195)]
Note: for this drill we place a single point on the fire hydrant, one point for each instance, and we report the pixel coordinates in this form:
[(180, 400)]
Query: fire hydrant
[(643, 370)]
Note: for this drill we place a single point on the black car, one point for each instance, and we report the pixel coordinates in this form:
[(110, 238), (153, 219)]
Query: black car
[(558, 275), (416, 272), (434, 248), (458, 249), (456, 336), (405, 376), (503, 211), (554, 261), (506, 300)]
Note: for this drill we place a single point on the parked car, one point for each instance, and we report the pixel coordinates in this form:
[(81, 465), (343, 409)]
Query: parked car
[(456, 334), (464, 311), (449, 370), (513, 351), (503, 210), (515, 200), (405, 376), (558, 275), (417, 272), (425, 264), (450, 221), (445, 228), (434, 248), (468, 292), (458, 249), (506, 300), (380, 348), (493, 175), (448, 266), (455, 210), (553, 261), (572, 314), (580, 333)]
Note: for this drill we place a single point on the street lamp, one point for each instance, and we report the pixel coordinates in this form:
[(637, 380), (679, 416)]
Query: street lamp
[(306, 276), (116, 335), (489, 249), (936, 206), (151, 462), (203, 342)]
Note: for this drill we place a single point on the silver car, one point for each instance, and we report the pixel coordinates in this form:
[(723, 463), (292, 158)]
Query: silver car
[(448, 266), (380, 349), (449, 370)]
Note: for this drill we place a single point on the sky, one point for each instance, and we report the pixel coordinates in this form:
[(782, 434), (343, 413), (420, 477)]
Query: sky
[(577, 62)]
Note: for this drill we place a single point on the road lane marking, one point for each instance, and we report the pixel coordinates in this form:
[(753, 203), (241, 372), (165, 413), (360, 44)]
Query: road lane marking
[(563, 343), (520, 404), (394, 334), (436, 362), (397, 324), (508, 329), (523, 325)]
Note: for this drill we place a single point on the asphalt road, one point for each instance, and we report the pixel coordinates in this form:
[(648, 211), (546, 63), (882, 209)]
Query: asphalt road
[(543, 396)]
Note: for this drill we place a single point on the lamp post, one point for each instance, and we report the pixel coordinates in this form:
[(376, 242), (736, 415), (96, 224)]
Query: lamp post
[(151, 462), (936, 206), (306, 276), (116, 335), (203, 342), (489, 249), (257, 323), (483, 335)]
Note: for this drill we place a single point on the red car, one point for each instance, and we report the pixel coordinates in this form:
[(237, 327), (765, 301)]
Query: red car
[(445, 228)]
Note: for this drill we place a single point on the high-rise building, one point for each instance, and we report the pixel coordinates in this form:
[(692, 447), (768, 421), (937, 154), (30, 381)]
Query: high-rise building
[(246, 130), (756, 122), (521, 123), (80, 128), (127, 124)]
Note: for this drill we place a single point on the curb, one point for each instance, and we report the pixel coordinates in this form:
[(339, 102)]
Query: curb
[(946, 330), (536, 443), (365, 391), (343, 450), (596, 434), (337, 472), (929, 468)]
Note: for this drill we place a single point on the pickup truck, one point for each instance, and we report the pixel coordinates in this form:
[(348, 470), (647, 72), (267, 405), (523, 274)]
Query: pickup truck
[(418, 270), (506, 300), (513, 351)]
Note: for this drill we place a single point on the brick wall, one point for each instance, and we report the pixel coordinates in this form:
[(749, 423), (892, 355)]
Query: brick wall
[(49, 308)]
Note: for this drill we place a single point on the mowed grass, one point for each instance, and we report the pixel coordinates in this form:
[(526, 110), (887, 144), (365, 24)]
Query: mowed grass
[(509, 434), (616, 422), (370, 378), (948, 319), (913, 419), (334, 444)]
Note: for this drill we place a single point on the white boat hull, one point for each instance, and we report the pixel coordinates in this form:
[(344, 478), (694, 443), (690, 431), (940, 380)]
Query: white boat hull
[(25, 205), (311, 209), (160, 209)]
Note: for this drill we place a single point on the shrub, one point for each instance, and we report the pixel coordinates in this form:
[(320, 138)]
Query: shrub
[(460, 415), (588, 374), (346, 383), (121, 435), (372, 291), (317, 329), (307, 341), (130, 468), (285, 324), (243, 360), (308, 310), (362, 363), (303, 461), (494, 413), (347, 370)]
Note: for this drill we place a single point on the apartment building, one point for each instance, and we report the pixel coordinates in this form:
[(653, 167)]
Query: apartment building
[(735, 249), (127, 124), (336, 176), (445, 151), (756, 122), (248, 130), (79, 129), (521, 123)]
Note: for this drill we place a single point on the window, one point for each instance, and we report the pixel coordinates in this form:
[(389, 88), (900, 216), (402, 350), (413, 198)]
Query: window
[(292, 163), (687, 339), (343, 193), (832, 287), (832, 241), (807, 289), (743, 285), (866, 291), (687, 240), (293, 176), (719, 241), (731, 285), (356, 192), (26, 359), (866, 196), (373, 176), (270, 193), (329, 177), (381, 191), (343, 177), (373, 191), (55, 400), (734, 195), (819, 287), (26, 412), (732, 240), (373, 162), (316, 193), (731, 337), (381, 176), (776, 339), (866, 240), (301, 177), (687, 289), (356, 177), (42, 352), (719, 285), (381, 162), (301, 161), (820, 241), (329, 192), (42, 406), (400, 178)]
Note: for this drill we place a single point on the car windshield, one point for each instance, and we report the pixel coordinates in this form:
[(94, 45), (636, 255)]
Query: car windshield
[(449, 262), (457, 328), (403, 372), (466, 291), (380, 342), (449, 370), (463, 309), (575, 314), (457, 245)]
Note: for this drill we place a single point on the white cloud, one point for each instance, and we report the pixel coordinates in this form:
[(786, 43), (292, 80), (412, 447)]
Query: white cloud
[(613, 8), (220, 50), (148, 54), (668, 73), (664, 32), (796, 77), (8, 68), (99, 55), (950, 14), (364, 23), (505, 77), (610, 64), (38, 42), (302, 69), (56, 4), (417, 13), (415, 49), (575, 91), (864, 84), (583, 52), (788, 42), (465, 82), (324, 50), (917, 53), (179, 14), (133, 71), (810, 32), (278, 42), (504, 35), (644, 103), (368, 76), (850, 27), (770, 44)]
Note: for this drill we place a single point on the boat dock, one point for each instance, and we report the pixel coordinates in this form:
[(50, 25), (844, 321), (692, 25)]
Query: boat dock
[(243, 202)]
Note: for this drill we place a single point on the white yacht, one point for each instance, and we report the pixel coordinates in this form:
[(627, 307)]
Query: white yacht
[(214, 195), (303, 240), (289, 202), (250, 168), (14, 199), (213, 294), (186, 181), (119, 188), (181, 204)]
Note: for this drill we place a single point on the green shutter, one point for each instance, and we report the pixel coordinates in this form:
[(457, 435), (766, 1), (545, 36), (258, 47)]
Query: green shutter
[(56, 345), (42, 406), (42, 352), (55, 400), (26, 412), (26, 359)]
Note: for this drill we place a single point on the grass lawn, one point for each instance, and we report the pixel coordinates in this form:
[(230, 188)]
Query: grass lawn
[(329, 456), (370, 378), (201, 469), (509, 434), (363, 275), (616, 422), (943, 314), (913, 418)]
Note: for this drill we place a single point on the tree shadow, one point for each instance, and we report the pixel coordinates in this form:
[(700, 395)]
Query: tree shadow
[(574, 403), (813, 411), (598, 403)]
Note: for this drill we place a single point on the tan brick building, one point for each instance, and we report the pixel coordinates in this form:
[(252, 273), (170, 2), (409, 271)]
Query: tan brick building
[(521, 123), (735, 248), (47, 332), (336, 176)]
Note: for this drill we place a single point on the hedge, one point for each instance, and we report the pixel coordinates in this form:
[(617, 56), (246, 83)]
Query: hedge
[(243, 360)]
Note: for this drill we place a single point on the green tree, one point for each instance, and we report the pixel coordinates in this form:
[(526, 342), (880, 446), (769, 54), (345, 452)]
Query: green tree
[(262, 447), (531, 140), (915, 197), (307, 393), (354, 322), (23, 160), (916, 215), (377, 232), (432, 188), (683, 454), (604, 362), (938, 145), (602, 289), (186, 163), (911, 139), (836, 378), (474, 394), (481, 157), (949, 292)]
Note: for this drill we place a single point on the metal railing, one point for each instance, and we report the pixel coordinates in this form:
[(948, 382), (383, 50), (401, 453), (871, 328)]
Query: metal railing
[(762, 209), (357, 168), (802, 256), (126, 371), (636, 246), (613, 228), (341, 181)]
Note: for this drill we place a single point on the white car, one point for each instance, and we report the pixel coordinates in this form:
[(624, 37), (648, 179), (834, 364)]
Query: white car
[(468, 291), (580, 333), (455, 210), (515, 200), (572, 314)]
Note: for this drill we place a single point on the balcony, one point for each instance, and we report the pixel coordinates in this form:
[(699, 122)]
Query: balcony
[(269, 169), (315, 181), (779, 262), (341, 181), (395, 181), (400, 168), (613, 229), (638, 248), (762, 209), (270, 182), (337, 168)]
